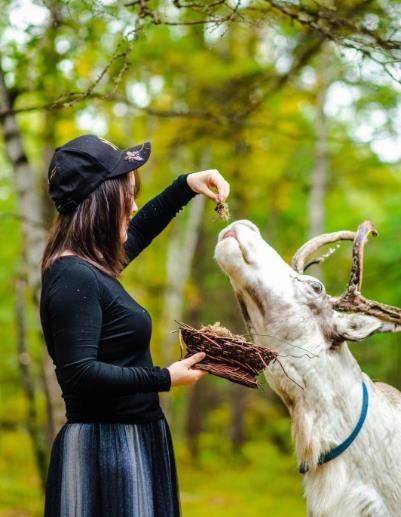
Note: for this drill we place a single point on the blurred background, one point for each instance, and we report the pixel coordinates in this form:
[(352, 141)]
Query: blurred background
[(295, 103)]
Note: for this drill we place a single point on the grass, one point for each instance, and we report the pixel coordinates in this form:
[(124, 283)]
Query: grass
[(20, 494), (263, 482)]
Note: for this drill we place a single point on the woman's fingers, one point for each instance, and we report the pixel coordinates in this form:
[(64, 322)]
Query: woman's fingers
[(223, 187), (182, 373), (204, 181), (204, 189), (193, 359)]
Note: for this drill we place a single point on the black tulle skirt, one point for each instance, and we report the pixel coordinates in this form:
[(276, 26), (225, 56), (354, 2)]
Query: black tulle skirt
[(112, 470)]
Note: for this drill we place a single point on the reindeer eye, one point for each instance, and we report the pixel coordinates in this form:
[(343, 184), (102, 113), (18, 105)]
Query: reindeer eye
[(317, 287)]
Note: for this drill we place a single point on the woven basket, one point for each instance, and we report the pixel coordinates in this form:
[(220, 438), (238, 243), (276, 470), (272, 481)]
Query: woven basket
[(228, 355)]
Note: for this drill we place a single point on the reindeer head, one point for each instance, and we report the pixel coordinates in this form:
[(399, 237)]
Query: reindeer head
[(289, 310)]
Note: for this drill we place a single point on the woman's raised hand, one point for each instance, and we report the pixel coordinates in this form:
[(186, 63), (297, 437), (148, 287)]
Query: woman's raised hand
[(203, 182), (181, 372)]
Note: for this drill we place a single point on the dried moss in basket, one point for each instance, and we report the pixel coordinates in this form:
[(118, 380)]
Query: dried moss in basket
[(228, 355)]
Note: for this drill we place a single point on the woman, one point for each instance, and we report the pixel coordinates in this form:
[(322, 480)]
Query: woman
[(114, 456)]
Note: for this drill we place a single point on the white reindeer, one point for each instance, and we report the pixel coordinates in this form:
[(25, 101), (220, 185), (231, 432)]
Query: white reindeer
[(346, 428)]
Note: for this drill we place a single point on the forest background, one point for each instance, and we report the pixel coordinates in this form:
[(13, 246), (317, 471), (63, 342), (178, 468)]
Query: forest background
[(295, 102)]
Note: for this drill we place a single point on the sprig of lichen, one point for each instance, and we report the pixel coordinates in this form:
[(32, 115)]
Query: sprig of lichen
[(223, 211)]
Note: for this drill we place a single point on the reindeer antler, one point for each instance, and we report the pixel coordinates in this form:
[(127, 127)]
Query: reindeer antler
[(352, 300), (301, 256), (361, 238)]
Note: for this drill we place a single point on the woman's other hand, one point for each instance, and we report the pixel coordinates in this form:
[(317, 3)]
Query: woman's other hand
[(181, 372), (203, 182)]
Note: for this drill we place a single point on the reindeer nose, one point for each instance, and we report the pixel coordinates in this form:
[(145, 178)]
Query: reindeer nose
[(229, 233)]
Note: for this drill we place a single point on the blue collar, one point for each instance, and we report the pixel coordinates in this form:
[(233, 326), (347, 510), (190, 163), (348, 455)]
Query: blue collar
[(336, 451)]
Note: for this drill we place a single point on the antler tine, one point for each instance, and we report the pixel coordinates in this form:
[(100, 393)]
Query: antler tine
[(300, 257), (352, 300), (361, 238)]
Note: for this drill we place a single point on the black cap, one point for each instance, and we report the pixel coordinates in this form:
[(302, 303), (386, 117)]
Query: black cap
[(78, 167)]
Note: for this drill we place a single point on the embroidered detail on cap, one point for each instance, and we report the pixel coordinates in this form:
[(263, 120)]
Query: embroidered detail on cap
[(133, 155), (108, 143)]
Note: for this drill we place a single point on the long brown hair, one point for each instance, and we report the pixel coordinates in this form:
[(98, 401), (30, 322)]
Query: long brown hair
[(93, 230)]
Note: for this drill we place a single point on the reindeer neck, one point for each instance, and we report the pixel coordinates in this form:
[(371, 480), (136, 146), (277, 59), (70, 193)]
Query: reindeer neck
[(326, 410)]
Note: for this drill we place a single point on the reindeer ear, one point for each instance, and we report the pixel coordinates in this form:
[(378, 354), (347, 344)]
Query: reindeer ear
[(356, 326)]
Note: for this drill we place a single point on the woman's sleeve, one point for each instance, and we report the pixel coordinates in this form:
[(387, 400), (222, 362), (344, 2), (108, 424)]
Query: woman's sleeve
[(155, 215), (75, 320)]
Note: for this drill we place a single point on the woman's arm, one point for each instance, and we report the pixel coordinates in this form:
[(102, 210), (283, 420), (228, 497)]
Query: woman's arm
[(155, 215), (74, 309)]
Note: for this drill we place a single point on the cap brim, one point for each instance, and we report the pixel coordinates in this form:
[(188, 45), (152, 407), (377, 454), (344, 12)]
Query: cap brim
[(131, 158)]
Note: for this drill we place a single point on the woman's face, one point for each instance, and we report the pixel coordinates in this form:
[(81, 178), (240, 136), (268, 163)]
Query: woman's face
[(134, 207)]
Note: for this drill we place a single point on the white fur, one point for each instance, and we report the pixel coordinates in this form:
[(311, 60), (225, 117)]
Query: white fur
[(302, 326)]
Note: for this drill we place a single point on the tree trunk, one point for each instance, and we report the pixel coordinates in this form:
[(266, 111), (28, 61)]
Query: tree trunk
[(202, 397), (320, 171), (34, 239), (238, 394), (238, 408), (28, 384), (180, 254)]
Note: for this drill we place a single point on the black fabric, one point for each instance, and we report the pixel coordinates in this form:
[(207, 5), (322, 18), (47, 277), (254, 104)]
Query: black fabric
[(99, 336)]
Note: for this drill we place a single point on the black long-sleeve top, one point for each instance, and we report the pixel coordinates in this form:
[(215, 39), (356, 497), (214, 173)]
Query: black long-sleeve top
[(98, 336)]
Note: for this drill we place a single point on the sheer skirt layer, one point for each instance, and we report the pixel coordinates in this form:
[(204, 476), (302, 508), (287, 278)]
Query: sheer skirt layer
[(113, 470)]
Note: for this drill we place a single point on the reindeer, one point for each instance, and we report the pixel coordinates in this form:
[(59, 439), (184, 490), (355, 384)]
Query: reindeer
[(346, 428)]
